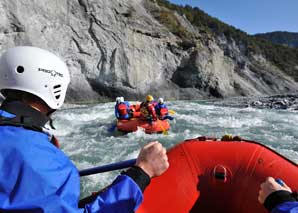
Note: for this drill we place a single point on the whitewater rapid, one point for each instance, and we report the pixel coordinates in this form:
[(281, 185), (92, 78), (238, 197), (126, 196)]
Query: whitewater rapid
[(83, 133)]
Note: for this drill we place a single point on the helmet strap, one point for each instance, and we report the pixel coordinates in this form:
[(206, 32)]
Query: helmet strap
[(26, 116)]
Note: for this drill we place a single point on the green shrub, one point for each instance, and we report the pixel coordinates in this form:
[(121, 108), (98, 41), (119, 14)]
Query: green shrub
[(171, 22)]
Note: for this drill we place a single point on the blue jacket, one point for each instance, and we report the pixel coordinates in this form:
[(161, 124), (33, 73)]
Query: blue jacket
[(286, 207), (162, 112), (119, 115), (37, 177), (160, 106)]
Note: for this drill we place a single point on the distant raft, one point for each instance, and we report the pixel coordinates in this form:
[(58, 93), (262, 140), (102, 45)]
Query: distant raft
[(158, 126), (216, 176)]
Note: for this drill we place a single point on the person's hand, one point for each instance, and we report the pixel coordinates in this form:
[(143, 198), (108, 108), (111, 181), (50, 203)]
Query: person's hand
[(270, 186), (153, 159)]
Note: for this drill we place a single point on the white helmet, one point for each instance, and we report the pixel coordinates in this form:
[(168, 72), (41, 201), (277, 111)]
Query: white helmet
[(160, 100), (118, 100), (121, 99), (35, 71)]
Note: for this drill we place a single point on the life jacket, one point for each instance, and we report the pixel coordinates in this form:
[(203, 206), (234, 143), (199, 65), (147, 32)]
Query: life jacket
[(21, 114), (135, 110), (132, 108), (136, 114), (152, 111), (148, 111), (122, 108), (144, 110), (163, 112), (137, 107), (144, 113)]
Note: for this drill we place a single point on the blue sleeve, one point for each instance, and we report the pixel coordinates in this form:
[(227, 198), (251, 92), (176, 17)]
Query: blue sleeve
[(6, 114), (127, 104), (287, 207), (122, 196), (116, 112), (39, 177)]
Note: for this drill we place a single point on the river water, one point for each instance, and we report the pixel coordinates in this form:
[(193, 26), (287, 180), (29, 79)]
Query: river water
[(83, 132)]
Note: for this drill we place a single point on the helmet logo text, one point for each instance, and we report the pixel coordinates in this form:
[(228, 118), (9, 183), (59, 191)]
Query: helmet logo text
[(52, 72)]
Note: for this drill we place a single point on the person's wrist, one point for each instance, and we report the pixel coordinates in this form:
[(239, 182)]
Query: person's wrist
[(140, 177), (145, 169), (278, 197)]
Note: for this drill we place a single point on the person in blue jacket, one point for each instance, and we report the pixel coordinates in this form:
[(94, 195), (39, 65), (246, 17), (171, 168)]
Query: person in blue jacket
[(122, 109), (277, 197), (36, 176), (162, 110)]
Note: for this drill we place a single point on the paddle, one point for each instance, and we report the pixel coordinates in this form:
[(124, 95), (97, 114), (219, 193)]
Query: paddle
[(164, 131), (108, 167), (172, 112), (113, 127)]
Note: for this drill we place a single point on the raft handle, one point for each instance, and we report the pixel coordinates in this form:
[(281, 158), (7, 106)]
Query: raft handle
[(220, 173)]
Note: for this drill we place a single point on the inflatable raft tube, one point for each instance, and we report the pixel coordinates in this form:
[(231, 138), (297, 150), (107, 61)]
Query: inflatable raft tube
[(158, 126), (212, 176)]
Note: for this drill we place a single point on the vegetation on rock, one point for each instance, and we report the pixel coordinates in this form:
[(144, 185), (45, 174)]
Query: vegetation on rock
[(283, 57)]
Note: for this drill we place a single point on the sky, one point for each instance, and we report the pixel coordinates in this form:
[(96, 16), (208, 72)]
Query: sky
[(251, 16)]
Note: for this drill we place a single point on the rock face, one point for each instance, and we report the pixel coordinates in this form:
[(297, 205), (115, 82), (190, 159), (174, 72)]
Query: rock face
[(117, 47)]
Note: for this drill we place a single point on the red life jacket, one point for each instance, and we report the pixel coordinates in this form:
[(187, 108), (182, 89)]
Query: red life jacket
[(148, 109), (122, 109), (132, 108), (163, 112), (135, 110), (151, 110)]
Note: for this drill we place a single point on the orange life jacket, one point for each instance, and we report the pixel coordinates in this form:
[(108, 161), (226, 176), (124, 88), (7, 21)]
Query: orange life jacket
[(151, 109), (122, 109), (147, 110), (136, 114), (163, 112)]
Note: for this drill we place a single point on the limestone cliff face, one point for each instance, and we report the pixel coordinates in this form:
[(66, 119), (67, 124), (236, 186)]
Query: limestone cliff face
[(117, 47)]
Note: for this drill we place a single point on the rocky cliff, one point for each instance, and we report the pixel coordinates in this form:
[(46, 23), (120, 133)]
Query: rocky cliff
[(119, 47)]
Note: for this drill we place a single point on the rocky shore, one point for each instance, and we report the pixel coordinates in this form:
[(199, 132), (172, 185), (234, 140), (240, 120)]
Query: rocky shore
[(278, 102)]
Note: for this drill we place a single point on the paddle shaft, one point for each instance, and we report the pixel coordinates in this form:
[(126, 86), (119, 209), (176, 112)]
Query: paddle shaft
[(108, 167)]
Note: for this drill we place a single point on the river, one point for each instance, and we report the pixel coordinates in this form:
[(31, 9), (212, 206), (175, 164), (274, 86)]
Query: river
[(83, 132)]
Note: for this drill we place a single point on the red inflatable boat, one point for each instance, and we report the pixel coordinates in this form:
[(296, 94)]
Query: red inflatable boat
[(158, 126), (208, 176)]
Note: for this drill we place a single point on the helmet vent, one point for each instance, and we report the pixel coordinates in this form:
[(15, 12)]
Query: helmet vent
[(57, 91)]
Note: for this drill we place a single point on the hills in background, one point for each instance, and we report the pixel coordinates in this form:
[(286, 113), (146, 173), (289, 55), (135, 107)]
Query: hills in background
[(281, 37)]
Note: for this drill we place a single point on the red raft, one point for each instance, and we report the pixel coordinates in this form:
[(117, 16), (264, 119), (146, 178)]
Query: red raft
[(158, 126), (213, 176)]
